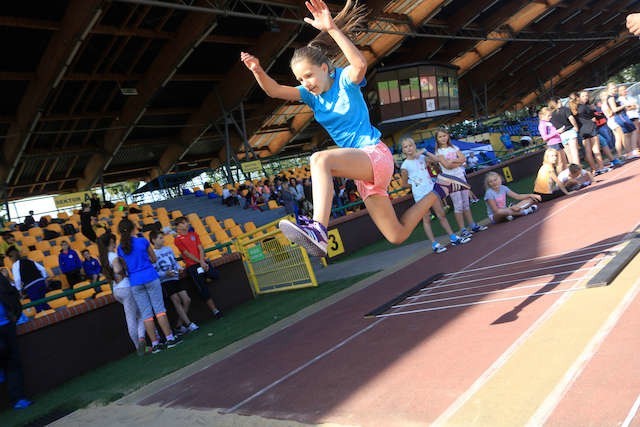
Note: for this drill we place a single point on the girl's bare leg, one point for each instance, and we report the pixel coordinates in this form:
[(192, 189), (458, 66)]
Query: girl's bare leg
[(573, 154), (588, 153), (468, 217), (183, 319), (396, 230), (595, 147), (426, 224), (459, 219), (344, 162), (619, 142), (562, 161), (439, 211)]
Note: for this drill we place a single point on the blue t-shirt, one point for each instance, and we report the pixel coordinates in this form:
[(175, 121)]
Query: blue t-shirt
[(139, 265), (4, 320), (343, 112)]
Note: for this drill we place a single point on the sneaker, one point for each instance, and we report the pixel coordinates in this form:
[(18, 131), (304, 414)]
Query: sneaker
[(157, 348), (22, 404), (218, 314), (534, 208), (478, 227), (181, 330), (457, 240), (193, 327), (174, 342), (141, 348), (307, 233), (510, 217), (616, 162), (464, 233), (438, 248), (447, 184)]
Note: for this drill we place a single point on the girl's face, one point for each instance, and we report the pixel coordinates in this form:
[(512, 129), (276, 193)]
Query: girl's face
[(443, 139), (546, 116), (159, 241), (611, 89), (314, 78), (584, 97), (408, 148), (112, 246), (552, 157), (494, 182)]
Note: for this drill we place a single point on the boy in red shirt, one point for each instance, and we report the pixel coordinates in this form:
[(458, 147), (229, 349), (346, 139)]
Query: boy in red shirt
[(188, 242)]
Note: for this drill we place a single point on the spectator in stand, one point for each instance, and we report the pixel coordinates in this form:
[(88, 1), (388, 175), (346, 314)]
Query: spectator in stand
[(115, 270), (70, 264), (8, 240), (561, 117), (551, 136), (452, 162), (169, 271), (547, 184), (496, 199), (472, 162), (229, 197), (29, 221), (266, 189), (86, 225), (29, 277), (575, 178), (139, 257), (10, 312), (91, 266), (296, 188), (198, 267), (631, 104), (288, 199), (589, 133), (414, 174), (95, 205)]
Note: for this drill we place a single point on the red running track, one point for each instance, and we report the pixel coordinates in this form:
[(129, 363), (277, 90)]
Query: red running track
[(335, 366)]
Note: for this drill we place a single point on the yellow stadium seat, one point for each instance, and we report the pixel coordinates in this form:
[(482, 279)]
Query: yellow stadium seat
[(249, 227), (58, 302), (37, 256), (176, 251), (51, 261), (161, 211), (105, 287), (55, 227), (214, 254), (169, 239), (43, 246), (235, 231), (75, 303), (103, 294), (93, 250), (44, 313), (63, 215), (37, 232), (272, 204), (194, 189), (147, 210), (28, 242), (29, 312), (176, 214), (148, 220), (228, 223), (221, 236)]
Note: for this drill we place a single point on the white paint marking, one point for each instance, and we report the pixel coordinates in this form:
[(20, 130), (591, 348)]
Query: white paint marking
[(632, 413), (547, 407)]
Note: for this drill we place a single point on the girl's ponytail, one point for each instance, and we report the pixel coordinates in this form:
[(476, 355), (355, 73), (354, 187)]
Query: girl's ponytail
[(351, 20)]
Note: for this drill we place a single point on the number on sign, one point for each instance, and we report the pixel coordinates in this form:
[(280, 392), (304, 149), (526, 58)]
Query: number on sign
[(334, 246)]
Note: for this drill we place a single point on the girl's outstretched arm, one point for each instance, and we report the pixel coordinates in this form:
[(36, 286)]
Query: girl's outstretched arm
[(518, 196), (323, 21), (270, 86)]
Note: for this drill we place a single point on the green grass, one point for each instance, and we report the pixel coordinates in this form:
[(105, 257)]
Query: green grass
[(478, 210), (116, 379)]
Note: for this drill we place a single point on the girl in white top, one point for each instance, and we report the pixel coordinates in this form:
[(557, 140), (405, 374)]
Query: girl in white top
[(414, 173), (452, 162), (114, 269)]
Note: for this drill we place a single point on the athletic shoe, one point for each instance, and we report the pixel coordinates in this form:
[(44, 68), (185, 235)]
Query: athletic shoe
[(616, 162), (193, 327), (174, 342), (534, 208), (457, 240), (465, 233), (157, 348), (447, 184), (307, 233), (510, 217), (218, 314), (181, 330), (438, 248), (22, 404), (478, 227)]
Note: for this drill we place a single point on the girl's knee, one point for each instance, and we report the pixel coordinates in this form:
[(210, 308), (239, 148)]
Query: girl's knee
[(318, 159)]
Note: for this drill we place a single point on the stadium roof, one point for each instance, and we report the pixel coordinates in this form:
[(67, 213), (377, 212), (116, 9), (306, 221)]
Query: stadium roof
[(139, 88)]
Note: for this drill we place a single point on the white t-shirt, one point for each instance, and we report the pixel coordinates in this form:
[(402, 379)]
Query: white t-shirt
[(419, 178), (565, 175), (630, 100), (124, 283), (451, 153)]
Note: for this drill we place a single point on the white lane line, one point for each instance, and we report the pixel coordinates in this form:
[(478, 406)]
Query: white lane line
[(302, 367), (550, 403), (505, 282), (500, 361), (479, 294), (497, 276), (469, 304), (632, 413), (612, 245)]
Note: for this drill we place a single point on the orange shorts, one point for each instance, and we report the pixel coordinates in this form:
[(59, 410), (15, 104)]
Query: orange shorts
[(382, 165)]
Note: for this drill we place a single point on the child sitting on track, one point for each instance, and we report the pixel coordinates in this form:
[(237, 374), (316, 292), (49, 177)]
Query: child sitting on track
[(414, 173), (334, 94), (169, 273), (547, 184), (574, 177), (496, 199)]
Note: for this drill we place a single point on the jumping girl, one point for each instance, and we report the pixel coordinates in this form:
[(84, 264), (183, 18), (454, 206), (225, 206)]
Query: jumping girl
[(496, 199), (414, 173), (452, 162), (114, 269), (334, 96)]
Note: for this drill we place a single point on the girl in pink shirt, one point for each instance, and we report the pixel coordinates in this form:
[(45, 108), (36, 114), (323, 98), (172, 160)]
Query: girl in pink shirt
[(552, 137)]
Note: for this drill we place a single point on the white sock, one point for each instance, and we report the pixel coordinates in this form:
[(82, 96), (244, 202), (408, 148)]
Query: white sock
[(526, 211)]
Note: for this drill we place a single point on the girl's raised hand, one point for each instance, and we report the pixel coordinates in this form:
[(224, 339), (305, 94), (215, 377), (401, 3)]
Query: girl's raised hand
[(322, 19), (250, 61)]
